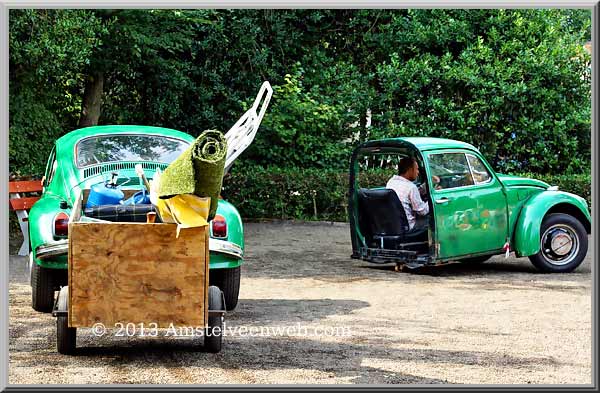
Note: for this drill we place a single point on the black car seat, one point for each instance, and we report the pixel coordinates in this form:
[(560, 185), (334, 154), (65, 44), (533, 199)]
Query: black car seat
[(382, 220)]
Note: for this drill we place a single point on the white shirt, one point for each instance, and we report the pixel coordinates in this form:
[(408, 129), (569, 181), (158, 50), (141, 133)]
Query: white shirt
[(410, 198)]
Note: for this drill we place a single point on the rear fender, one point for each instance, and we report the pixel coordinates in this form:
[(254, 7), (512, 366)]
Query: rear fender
[(41, 222)]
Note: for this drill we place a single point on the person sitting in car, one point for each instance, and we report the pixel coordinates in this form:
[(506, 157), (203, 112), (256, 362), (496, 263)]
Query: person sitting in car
[(409, 194)]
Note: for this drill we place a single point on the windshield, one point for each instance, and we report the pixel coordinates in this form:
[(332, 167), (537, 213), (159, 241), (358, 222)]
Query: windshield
[(110, 148)]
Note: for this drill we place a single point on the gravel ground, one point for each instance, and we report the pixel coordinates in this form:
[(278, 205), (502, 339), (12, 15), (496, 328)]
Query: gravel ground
[(496, 323)]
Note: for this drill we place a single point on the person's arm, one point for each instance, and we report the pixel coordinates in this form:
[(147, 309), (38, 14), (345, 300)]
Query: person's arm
[(417, 204)]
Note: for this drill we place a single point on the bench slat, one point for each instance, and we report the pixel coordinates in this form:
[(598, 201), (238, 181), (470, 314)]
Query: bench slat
[(25, 186), (22, 203)]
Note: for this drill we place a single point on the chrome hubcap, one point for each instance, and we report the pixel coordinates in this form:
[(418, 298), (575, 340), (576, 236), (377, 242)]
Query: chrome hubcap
[(559, 244)]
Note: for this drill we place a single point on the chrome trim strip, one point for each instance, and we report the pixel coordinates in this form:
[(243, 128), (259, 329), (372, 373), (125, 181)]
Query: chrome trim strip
[(225, 247), (61, 247)]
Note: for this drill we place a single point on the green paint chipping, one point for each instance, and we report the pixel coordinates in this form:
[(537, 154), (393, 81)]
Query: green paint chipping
[(198, 170)]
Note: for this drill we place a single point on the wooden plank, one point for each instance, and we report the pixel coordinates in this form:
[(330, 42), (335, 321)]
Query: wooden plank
[(76, 210), (206, 283), (25, 186), (22, 203), (137, 272), (74, 217)]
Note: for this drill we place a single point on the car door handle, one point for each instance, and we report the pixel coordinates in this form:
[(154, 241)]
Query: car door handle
[(442, 201)]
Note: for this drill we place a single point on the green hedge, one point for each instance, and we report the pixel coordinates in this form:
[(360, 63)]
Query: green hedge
[(515, 83), (318, 194)]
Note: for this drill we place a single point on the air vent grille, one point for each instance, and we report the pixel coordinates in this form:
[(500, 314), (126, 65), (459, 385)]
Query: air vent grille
[(116, 166)]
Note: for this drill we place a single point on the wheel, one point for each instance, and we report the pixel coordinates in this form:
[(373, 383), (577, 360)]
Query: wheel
[(66, 337), (228, 280), (476, 260), (563, 244), (213, 338), (42, 288)]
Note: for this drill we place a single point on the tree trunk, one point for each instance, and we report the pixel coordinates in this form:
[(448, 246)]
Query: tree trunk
[(92, 100)]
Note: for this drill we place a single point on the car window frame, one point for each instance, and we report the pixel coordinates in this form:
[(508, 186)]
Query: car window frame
[(50, 167), (189, 143), (489, 180), (471, 186)]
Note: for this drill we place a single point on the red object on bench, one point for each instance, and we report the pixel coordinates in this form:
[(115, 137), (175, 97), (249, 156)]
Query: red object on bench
[(21, 204)]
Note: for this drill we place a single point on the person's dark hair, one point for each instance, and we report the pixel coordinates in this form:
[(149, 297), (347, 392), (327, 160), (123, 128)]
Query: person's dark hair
[(405, 164)]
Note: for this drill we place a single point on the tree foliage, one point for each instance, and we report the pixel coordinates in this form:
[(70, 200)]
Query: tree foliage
[(515, 83)]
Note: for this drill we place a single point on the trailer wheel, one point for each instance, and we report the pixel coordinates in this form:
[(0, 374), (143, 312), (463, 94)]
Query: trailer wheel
[(229, 282), (42, 288), (66, 336), (213, 338)]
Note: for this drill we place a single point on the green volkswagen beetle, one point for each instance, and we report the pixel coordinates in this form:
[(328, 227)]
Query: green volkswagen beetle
[(89, 156), (474, 212), (75, 165)]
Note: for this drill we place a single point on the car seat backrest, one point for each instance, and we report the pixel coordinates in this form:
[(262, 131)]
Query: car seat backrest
[(380, 212)]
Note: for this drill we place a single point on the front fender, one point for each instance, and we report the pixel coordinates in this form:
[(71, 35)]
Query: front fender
[(527, 230)]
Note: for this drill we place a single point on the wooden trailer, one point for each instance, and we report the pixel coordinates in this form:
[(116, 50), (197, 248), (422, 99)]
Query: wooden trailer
[(123, 273)]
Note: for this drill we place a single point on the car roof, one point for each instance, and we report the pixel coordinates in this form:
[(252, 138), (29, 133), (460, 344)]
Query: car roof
[(427, 143), (72, 137)]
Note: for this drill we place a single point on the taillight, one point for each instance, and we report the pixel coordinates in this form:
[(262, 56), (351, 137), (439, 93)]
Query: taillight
[(219, 226), (61, 224)]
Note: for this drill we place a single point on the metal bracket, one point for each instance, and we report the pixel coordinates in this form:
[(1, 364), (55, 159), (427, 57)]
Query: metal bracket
[(56, 312), (242, 133)]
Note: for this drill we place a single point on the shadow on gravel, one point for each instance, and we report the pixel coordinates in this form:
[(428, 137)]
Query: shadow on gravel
[(291, 311), (365, 362), (495, 267)]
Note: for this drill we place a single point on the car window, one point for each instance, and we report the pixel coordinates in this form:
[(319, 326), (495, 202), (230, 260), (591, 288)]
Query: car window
[(111, 148), (50, 167), (480, 172), (451, 169)]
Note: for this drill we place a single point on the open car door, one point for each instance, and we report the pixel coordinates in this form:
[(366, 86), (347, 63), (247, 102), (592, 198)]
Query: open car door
[(469, 205)]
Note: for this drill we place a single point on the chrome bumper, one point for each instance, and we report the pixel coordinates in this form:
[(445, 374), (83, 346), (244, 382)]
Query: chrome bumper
[(225, 247), (54, 249), (61, 247)]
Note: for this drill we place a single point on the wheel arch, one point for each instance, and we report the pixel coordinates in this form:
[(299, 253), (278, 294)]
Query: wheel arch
[(572, 210), (527, 231)]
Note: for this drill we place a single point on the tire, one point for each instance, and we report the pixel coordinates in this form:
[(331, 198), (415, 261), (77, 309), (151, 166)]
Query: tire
[(42, 288), (557, 232), (66, 337), (476, 260), (228, 280), (213, 338)]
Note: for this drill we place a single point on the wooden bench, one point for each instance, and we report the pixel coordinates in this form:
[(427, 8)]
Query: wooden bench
[(21, 202)]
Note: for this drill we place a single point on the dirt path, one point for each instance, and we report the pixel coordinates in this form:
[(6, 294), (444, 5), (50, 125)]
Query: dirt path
[(500, 322)]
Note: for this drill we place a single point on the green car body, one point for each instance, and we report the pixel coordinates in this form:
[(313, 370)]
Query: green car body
[(63, 180), (474, 221)]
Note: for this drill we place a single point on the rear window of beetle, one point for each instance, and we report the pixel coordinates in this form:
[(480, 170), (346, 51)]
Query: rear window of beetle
[(114, 148)]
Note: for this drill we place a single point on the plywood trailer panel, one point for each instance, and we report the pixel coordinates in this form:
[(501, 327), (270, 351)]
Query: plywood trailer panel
[(137, 272)]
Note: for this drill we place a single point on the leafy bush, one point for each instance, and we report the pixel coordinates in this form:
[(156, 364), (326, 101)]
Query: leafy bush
[(318, 194), (32, 134), (321, 194), (580, 184)]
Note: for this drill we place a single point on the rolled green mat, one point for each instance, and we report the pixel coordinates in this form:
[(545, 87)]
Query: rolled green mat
[(198, 170)]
